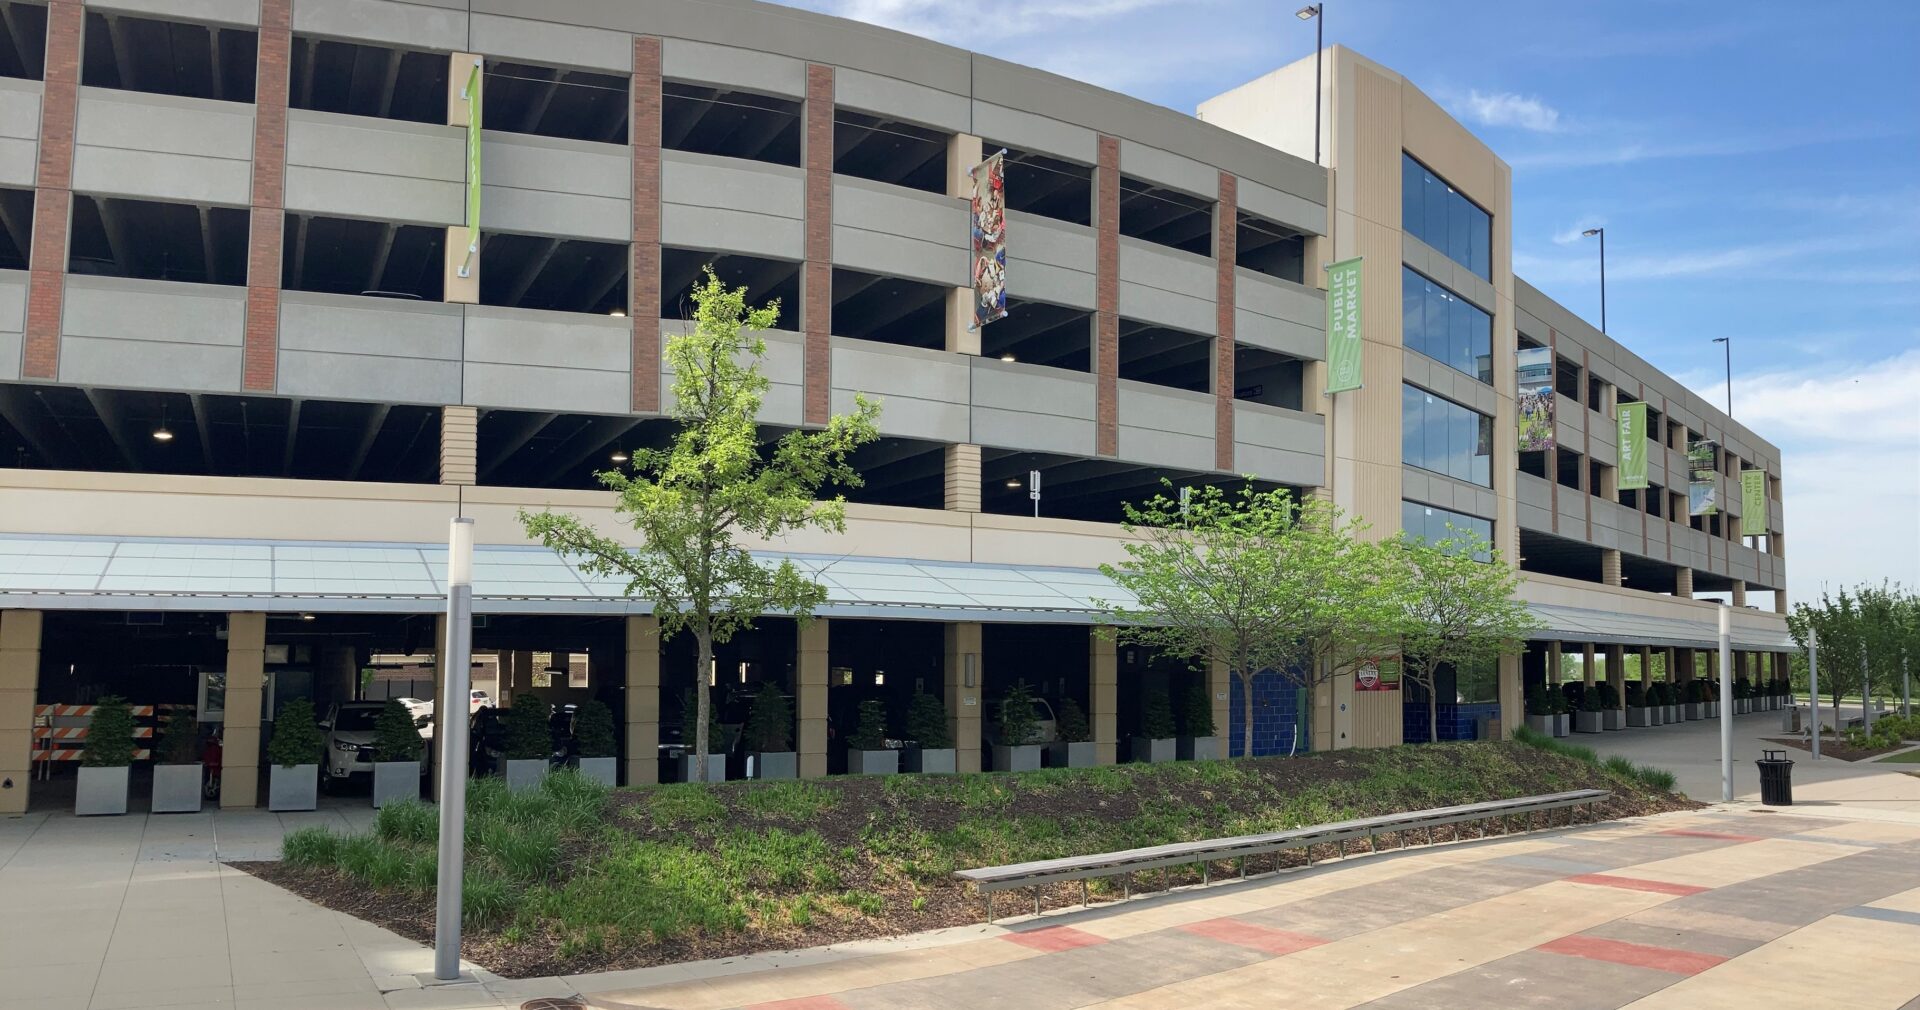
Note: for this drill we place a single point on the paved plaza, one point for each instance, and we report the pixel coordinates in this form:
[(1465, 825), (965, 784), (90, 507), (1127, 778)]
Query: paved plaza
[(1735, 906)]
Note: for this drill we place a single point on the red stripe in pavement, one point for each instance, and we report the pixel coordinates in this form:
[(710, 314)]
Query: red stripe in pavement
[(1636, 884), (1053, 938), (1639, 955), (803, 1003), (1278, 942), (1683, 833)]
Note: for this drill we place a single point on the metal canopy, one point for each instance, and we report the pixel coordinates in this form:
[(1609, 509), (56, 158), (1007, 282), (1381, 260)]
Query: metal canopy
[(1603, 627)]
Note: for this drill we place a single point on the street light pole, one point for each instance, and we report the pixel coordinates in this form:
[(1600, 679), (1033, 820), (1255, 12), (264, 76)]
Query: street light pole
[(452, 732), (1726, 703), (1313, 12), (1813, 688), (1602, 232), (1728, 343)]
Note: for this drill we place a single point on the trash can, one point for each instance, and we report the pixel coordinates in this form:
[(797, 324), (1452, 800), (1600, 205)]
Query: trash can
[(1776, 778)]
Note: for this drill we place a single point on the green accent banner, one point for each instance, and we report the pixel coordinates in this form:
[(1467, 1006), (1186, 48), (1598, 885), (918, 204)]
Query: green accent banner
[(1631, 427), (473, 167), (1343, 326), (1753, 502)]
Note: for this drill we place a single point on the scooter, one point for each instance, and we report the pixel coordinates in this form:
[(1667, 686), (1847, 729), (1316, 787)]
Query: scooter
[(210, 753)]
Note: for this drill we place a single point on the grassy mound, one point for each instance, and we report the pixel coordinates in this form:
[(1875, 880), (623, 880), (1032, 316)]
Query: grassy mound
[(573, 878)]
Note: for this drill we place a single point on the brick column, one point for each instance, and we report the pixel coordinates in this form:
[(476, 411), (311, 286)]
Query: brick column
[(962, 656), (1103, 696), (19, 687), (459, 445), (52, 195), (816, 281), (643, 291), (1106, 344), (643, 700), (261, 354), (1609, 566), (1225, 246), (810, 696), (240, 737)]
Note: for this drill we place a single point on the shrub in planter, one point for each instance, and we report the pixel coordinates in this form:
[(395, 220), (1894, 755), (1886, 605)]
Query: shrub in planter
[(1198, 743), (1017, 750), (594, 744), (528, 743), (1562, 721), (1540, 709), (176, 769), (1657, 703), (104, 761), (1075, 747), (867, 751), (1156, 744), (716, 756), (294, 754), (1611, 716), (1588, 718), (932, 752), (770, 734), (396, 755)]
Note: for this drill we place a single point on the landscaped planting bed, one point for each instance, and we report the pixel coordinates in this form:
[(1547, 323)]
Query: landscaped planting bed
[(573, 878)]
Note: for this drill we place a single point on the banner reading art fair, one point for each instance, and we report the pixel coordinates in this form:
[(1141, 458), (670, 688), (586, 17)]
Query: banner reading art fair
[(1536, 398), (1632, 430), (989, 227), (1753, 502), (1343, 326), (1703, 497)]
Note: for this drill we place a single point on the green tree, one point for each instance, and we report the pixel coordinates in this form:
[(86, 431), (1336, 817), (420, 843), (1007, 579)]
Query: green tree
[(1253, 579), (180, 739), (699, 502), (528, 737), (1073, 722), (1456, 609), (1875, 629), (297, 739), (871, 732)]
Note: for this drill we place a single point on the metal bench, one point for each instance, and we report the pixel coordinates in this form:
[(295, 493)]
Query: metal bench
[(1125, 863)]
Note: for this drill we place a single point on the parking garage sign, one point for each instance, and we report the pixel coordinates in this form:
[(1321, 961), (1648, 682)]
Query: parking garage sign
[(1631, 425), (1343, 326)]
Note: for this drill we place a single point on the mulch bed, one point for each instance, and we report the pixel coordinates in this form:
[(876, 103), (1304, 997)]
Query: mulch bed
[(1833, 747), (943, 902)]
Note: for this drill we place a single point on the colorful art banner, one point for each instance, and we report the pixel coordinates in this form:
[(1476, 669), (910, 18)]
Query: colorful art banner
[(472, 94), (1753, 503), (1535, 366), (989, 226), (1343, 326), (1378, 673), (1703, 496), (1631, 429)]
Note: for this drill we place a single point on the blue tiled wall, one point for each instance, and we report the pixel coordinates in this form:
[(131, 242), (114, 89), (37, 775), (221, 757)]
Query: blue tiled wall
[(1275, 713), (1456, 722)]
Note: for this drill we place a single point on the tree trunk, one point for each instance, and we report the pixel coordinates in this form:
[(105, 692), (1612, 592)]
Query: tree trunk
[(1246, 708), (1433, 716), (701, 701)]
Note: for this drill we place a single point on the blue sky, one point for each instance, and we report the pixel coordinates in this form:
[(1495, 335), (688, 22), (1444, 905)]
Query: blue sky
[(1756, 166)]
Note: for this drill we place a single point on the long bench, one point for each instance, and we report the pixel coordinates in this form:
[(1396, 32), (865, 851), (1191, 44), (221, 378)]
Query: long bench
[(991, 879)]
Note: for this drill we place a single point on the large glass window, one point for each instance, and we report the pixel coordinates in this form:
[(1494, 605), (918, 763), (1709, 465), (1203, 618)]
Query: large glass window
[(1442, 217), (1429, 524), (1445, 327), (1440, 435)]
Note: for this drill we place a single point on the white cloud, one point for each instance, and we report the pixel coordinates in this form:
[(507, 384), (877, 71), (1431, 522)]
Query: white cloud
[(1577, 232), (1505, 108), (1849, 437), (1784, 260)]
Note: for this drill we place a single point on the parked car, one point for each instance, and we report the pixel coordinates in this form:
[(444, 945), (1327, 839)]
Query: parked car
[(350, 736), (1045, 730), (477, 700)]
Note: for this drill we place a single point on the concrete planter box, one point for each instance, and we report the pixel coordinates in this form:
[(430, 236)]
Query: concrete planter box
[(716, 768), (394, 781), (1742, 706), (1198, 748), (1586, 722), (1563, 724), (1024, 758), (877, 762), (1640, 718), (1713, 709), (1673, 714), (776, 764), (1613, 718), (1151, 751), (1656, 715), (176, 789), (295, 788), (605, 770), (102, 791), (525, 773), (930, 760), (1542, 724), (1062, 754), (1696, 710)]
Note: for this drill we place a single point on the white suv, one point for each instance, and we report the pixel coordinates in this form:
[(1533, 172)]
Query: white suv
[(350, 736)]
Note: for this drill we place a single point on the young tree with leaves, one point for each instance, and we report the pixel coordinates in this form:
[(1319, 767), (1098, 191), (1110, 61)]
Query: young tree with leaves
[(1459, 609), (698, 502), (1253, 579)]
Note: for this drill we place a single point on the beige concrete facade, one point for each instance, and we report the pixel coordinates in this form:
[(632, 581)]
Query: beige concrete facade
[(19, 683), (246, 682)]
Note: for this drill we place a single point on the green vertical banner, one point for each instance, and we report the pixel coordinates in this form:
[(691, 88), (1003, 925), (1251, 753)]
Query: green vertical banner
[(1343, 326), (1631, 427), (1753, 502), (472, 94)]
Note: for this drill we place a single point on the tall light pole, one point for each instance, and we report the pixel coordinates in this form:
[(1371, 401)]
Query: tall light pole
[(456, 659), (1602, 232), (1727, 342), (1726, 703), (1312, 12), (1813, 689)]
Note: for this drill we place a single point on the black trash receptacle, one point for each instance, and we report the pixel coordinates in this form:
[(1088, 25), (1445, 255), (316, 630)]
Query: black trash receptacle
[(1776, 778)]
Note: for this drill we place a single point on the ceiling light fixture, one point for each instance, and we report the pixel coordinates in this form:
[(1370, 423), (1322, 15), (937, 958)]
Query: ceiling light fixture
[(1013, 483), (619, 456), (1007, 356), (618, 312), (161, 434)]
